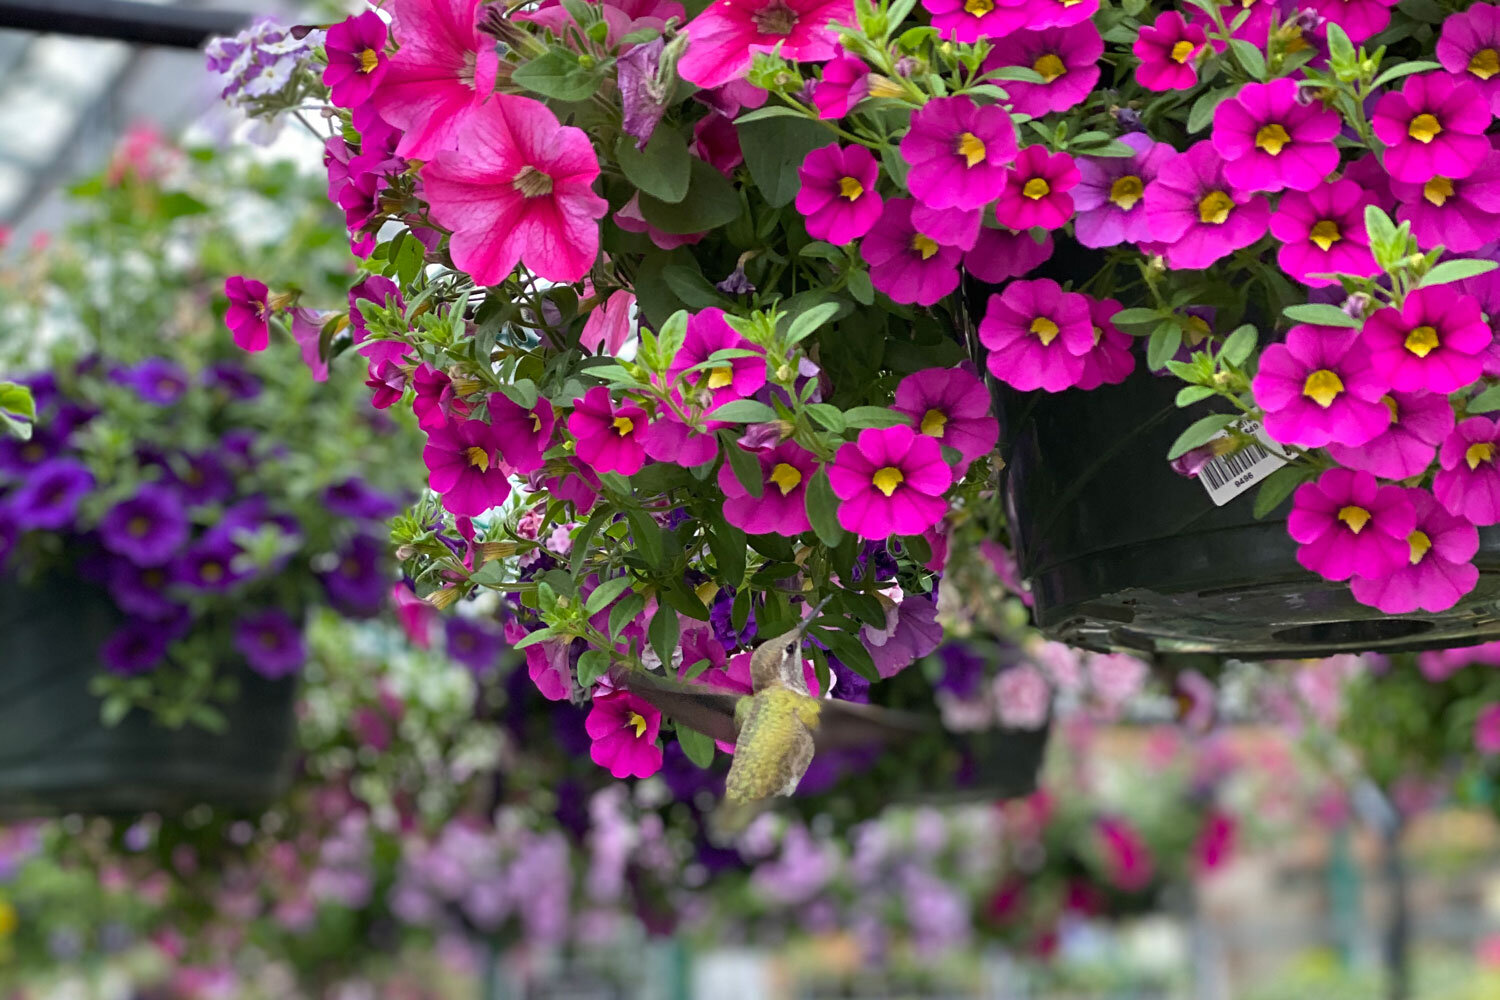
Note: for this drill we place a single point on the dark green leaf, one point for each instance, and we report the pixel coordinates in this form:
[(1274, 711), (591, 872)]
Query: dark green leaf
[(1278, 486), (1250, 57), (1487, 401), (664, 631), (809, 321), (1202, 111), (823, 509), (1189, 395), (698, 748), (728, 545), (605, 593), (1237, 348), (850, 651), (1137, 317), (592, 665), (689, 285), (1164, 342), (711, 202), (557, 74), (1320, 314), (1202, 431), (745, 466), (647, 538), (622, 614), (743, 411), (661, 169), (774, 151), (532, 638), (874, 416)]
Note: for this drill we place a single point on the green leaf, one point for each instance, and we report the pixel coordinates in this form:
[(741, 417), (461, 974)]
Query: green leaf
[(581, 541), (17, 399), (1456, 270), (179, 204), (831, 417), (664, 631), (1487, 401), (689, 285), (874, 416), (1341, 54), (727, 543), (622, 614), (592, 665), (1113, 147), (857, 280), (491, 574), (1237, 348), (698, 747), (851, 652), (409, 260), (684, 600), (1188, 395), (1164, 342), (1320, 314), (1250, 57), (557, 74), (114, 710), (711, 202), (1404, 68), (605, 593), (1137, 317), (1278, 486), (662, 169), (1020, 74), (1202, 111), (1201, 432), (745, 466), (770, 111), (647, 538), (743, 411), (823, 509), (532, 638), (774, 150), (809, 321)]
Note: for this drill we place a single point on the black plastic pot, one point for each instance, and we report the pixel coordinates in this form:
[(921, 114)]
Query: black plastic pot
[(56, 756)]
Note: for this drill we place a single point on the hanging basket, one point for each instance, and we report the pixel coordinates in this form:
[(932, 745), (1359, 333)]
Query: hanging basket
[(56, 756)]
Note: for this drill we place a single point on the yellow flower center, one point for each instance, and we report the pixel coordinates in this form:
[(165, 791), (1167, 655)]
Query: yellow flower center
[(478, 458), (979, 8), (634, 719), (971, 148), (1485, 64), (531, 182), (1045, 329), (1215, 208), (138, 527), (1424, 128), (719, 377), (1036, 189), (887, 478), (369, 59), (786, 477), (924, 245), (9, 921), (1271, 138), (1420, 544), (211, 571), (1049, 67), (1438, 190), (623, 425), (850, 188), (933, 422), (1126, 191), (1182, 51), (1478, 453), (1422, 341), (1325, 234), (1355, 517), (1323, 387)]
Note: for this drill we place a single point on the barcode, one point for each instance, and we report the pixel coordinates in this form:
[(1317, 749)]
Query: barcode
[(1227, 468), (1227, 476)]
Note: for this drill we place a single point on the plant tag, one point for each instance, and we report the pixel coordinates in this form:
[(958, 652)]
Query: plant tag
[(1227, 476)]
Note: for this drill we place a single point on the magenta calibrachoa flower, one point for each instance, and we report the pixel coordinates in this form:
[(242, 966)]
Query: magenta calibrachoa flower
[(519, 189), (1037, 335), (609, 436), (1319, 387), (891, 481), (906, 263), (1438, 571), (1067, 60), (1111, 190), (1468, 484), (1419, 423), (736, 378), (1347, 525), (951, 227), (669, 439), (838, 200), (1434, 342), (970, 20), (1113, 357), (1360, 19), (1198, 213), (624, 729), (1037, 192), (1000, 254), (524, 434), (249, 313), (1433, 127), (951, 405), (1269, 140), (356, 58), (443, 70), (781, 507), (844, 83), (1458, 213), (1322, 231), (1469, 47), (723, 40), (465, 468), (957, 152), (1168, 50)]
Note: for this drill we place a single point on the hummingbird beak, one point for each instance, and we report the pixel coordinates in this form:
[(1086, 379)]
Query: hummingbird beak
[(806, 623)]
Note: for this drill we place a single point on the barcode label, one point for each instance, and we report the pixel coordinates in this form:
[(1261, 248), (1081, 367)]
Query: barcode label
[(1227, 476)]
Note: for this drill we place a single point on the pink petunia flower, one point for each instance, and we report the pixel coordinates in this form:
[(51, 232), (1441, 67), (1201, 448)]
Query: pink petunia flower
[(609, 327), (1460, 214), (1360, 19), (1110, 196), (838, 200), (1127, 857), (624, 728), (547, 663), (1487, 730), (1468, 484), (1194, 209), (1168, 50), (1469, 48), (957, 152), (1067, 59), (1270, 140), (891, 480), (716, 141), (781, 507), (970, 20), (1419, 423), (1037, 192), (1322, 231), (1023, 698), (1347, 525), (723, 40), (524, 433), (518, 190), (609, 436), (906, 263), (844, 83), (1319, 387), (1438, 571), (1433, 127), (356, 58), (465, 467), (1113, 356), (629, 219), (249, 314), (1000, 254), (952, 406), (1435, 342), (444, 69), (1037, 335)]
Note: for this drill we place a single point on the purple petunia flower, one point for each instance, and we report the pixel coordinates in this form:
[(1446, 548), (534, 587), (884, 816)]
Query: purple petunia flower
[(148, 529), (1435, 342), (231, 380), (139, 646), (248, 316), (48, 499), (203, 479), (357, 585), (356, 498), (838, 199), (140, 590), (1270, 140), (957, 152), (157, 380), (1037, 193), (271, 643), (1110, 196), (1037, 335), (1419, 423), (1460, 214), (1322, 231), (208, 564), (472, 644), (1433, 126), (1469, 482)]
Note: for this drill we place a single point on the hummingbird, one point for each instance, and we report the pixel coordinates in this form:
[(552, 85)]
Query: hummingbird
[(779, 726)]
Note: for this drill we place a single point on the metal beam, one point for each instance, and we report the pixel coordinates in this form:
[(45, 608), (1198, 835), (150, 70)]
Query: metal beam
[(124, 20)]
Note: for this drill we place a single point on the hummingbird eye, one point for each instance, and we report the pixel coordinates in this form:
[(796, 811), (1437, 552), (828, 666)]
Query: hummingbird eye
[(791, 648)]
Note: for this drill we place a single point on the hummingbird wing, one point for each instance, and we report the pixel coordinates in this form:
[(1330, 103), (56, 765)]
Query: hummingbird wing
[(845, 724), (701, 708)]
